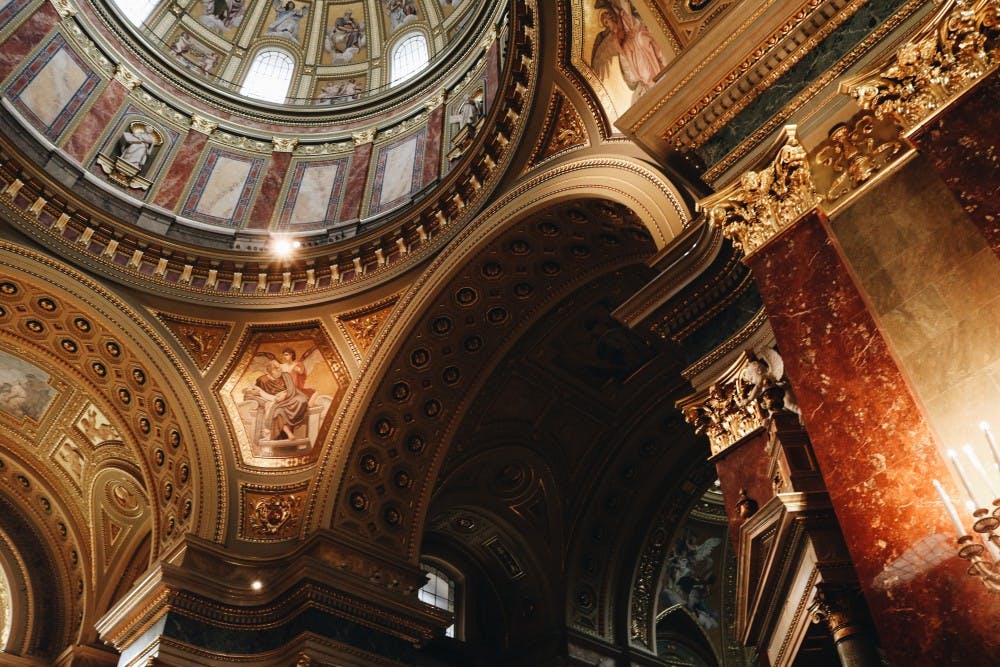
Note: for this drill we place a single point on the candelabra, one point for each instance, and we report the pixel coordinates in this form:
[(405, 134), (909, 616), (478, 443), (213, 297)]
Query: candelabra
[(982, 550)]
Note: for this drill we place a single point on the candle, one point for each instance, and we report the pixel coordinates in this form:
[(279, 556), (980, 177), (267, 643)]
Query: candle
[(992, 442), (977, 464), (953, 455), (951, 508)]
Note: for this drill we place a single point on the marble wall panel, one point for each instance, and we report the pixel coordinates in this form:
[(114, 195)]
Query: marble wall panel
[(876, 450), (267, 200), (9, 9), (222, 192), (314, 193), (94, 122), (399, 167), (356, 179), (934, 283), (744, 467), (53, 87)]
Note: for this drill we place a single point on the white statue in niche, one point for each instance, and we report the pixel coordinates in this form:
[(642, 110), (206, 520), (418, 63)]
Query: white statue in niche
[(138, 143)]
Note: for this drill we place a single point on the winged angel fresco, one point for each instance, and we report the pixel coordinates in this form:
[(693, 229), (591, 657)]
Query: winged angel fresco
[(688, 576), (280, 412), (626, 38)]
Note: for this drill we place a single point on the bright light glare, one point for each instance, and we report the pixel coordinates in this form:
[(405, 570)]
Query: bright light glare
[(284, 247), (256, 584)]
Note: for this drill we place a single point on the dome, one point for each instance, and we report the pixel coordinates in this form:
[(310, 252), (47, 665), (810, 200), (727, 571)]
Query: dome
[(199, 141)]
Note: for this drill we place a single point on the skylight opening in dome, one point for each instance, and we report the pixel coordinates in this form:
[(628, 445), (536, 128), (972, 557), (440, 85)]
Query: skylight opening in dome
[(409, 58), (269, 76), (136, 11)]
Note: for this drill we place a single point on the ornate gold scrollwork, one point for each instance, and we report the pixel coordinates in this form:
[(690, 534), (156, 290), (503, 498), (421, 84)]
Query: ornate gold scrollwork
[(275, 515), (854, 152), (756, 208), (956, 48)]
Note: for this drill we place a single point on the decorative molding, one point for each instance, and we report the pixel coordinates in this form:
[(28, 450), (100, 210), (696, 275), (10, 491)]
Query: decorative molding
[(364, 136), (201, 339), (762, 203), (947, 56), (852, 154), (126, 77), (564, 129), (283, 144)]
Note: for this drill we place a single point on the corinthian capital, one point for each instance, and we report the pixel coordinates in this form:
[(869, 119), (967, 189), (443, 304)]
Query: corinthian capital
[(753, 210)]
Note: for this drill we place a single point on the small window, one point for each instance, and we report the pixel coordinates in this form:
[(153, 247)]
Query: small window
[(136, 11), (269, 76), (409, 57), (439, 591)]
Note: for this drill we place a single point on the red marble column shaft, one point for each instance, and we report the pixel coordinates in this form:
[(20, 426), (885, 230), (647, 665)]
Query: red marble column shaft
[(96, 120), (355, 187), (876, 450), (270, 188), (432, 149), (27, 36), (744, 466), (963, 145), (180, 171)]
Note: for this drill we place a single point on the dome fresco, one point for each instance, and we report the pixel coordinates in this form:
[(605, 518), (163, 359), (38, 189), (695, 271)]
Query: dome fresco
[(333, 53)]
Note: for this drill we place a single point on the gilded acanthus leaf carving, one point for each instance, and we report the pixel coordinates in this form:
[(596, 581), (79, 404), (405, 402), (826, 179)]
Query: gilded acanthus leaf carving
[(955, 48), (763, 202), (741, 401), (854, 152)]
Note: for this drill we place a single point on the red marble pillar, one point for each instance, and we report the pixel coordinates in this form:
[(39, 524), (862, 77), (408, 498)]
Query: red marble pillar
[(168, 194), (270, 189), (96, 120), (27, 36), (877, 454), (744, 466), (355, 187), (432, 150), (492, 73), (963, 145)]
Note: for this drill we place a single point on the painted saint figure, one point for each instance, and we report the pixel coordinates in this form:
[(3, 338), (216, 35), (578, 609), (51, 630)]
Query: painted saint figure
[(286, 20), (345, 38), (290, 405), (627, 37), (221, 15)]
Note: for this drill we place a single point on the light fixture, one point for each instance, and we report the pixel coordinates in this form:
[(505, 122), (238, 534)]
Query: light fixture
[(982, 550), (256, 584)]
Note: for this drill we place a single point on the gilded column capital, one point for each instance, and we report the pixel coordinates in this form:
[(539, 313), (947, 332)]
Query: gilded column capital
[(763, 202), (742, 400), (364, 136), (203, 125), (66, 8), (284, 144), (837, 607), (436, 100), (947, 56), (126, 77)]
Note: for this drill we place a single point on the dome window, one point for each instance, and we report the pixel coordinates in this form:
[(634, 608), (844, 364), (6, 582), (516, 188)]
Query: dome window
[(409, 57), (136, 11), (439, 591), (269, 76)]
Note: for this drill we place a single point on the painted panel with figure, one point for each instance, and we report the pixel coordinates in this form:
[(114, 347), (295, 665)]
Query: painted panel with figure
[(281, 395), (24, 388), (621, 56), (345, 39)]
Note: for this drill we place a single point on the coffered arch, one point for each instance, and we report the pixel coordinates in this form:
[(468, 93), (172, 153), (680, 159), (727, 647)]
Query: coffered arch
[(117, 373), (551, 234)]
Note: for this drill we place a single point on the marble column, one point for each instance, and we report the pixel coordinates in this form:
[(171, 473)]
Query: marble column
[(962, 143), (169, 191), (267, 199), (876, 451), (743, 475), (435, 132), (842, 611), (354, 189), (97, 118)]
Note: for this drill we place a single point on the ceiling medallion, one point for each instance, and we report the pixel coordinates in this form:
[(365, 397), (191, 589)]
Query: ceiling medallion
[(275, 516)]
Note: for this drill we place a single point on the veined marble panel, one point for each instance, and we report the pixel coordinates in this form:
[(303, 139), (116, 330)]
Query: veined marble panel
[(224, 188), (53, 87), (9, 9), (314, 194), (398, 171)]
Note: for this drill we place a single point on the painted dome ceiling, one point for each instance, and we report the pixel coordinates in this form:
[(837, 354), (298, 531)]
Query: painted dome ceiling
[(340, 54)]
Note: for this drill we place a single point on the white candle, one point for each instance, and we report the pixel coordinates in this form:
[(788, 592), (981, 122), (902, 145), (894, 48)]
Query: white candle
[(953, 455), (977, 464), (992, 441), (951, 508)]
